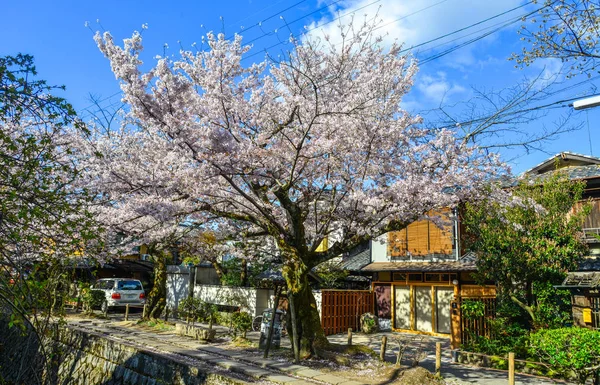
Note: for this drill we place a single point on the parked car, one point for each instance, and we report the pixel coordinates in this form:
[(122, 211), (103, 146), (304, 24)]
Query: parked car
[(119, 292)]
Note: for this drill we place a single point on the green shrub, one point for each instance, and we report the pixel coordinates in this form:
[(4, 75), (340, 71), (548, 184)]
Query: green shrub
[(472, 309), (93, 298), (241, 322), (198, 310), (568, 350)]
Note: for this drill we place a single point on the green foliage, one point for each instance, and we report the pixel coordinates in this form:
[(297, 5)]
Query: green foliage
[(504, 338), (553, 306), (241, 321), (331, 274), (529, 243), (568, 350), (471, 309), (93, 298), (236, 272), (232, 272), (196, 309)]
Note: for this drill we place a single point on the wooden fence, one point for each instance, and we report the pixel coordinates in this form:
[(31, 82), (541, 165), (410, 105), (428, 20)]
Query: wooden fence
[(341, 309), (470, 328)]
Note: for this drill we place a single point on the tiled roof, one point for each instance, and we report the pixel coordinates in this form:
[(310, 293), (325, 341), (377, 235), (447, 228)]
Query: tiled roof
[(421, 266), (589, 264), (582, 279), (576, 172), (566, 156), (356, 262)]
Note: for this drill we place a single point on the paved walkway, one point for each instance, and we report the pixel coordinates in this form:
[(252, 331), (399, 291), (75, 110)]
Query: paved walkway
[(461, 374), (269, 370)]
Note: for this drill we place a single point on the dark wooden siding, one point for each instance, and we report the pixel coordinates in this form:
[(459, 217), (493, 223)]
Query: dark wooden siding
[(341, 309)]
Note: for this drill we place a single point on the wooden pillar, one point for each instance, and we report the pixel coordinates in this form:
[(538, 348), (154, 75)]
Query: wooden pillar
[(438, 358), (383, 347), (511, 368)]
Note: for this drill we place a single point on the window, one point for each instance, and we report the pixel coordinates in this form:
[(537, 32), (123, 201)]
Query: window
[(423, 237), (129, 285), (400, 277), (415, 277), (105, 285)]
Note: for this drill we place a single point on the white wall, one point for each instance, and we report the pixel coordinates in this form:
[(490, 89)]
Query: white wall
[(250, 300), (379, 249), (178, 278), (318, 300)]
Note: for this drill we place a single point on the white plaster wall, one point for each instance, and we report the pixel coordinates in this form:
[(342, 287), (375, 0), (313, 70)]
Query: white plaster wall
[(177, 285), (318, 299), (379, 249), (243, 297)]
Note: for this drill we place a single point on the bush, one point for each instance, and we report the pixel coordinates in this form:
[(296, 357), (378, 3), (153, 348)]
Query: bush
[(198, 310), (241, 322), (93, 298), (568, 350), (369, 323)]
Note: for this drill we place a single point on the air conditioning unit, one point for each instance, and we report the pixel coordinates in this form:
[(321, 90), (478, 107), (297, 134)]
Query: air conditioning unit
[(145, 257)]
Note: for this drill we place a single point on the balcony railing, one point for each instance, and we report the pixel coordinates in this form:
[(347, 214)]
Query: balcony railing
[(592, 235)]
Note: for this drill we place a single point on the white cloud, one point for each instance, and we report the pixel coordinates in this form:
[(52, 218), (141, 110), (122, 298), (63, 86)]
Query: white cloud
[(413, 22), (437, 88)]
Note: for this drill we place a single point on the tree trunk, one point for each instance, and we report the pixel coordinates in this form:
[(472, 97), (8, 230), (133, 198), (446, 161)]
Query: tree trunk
[(244, 272), (310, 332), (525, 307), (219, 269), (158, 295)]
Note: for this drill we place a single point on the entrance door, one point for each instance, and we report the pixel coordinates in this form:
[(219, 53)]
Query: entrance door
[(444, 296), (402, 307), (423, 310)]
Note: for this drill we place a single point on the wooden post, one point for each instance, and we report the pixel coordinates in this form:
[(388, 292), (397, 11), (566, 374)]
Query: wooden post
[(144, 311), (295, 339), (438, 358), (127, 312), (511, 368), (383, 347), (272, 321), (166, 313), (349, 336)]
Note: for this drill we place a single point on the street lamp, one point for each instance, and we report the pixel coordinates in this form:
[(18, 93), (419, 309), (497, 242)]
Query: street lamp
[(590, 102)]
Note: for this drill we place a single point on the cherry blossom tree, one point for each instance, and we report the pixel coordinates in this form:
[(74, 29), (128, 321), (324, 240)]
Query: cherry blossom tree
[(290, 150)]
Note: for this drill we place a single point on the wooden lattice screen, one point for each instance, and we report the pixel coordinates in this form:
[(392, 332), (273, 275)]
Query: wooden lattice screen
[(422, 237), (341, 309), (479, 326)]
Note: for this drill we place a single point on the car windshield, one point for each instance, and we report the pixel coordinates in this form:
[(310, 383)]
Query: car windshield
[(129, 285)]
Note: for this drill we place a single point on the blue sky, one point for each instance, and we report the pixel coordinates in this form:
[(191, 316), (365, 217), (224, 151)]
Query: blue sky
[(65, 52)]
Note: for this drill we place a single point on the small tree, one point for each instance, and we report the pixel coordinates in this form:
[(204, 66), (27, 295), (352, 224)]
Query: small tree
[(44, 224), (530, 243)]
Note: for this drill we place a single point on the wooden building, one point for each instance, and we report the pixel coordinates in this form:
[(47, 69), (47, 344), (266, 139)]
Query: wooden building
[(584, 282), (419, 277)]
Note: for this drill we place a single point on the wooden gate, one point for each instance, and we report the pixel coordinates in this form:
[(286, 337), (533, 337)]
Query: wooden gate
[(341, 309), (471, 328)]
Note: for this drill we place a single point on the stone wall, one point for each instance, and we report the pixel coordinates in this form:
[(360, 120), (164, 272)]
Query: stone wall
[(83, 358)]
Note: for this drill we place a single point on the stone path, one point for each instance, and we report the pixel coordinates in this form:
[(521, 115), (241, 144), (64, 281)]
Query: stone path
[(271, 371), (260, 370)]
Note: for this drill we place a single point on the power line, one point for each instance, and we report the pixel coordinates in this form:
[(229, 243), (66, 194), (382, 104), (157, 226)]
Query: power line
[(273, 15), (338, 18), (297, 20), (256, 13), (468, 27)]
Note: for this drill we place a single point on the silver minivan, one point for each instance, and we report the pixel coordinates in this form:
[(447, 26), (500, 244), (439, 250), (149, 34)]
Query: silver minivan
[(120, 292)]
